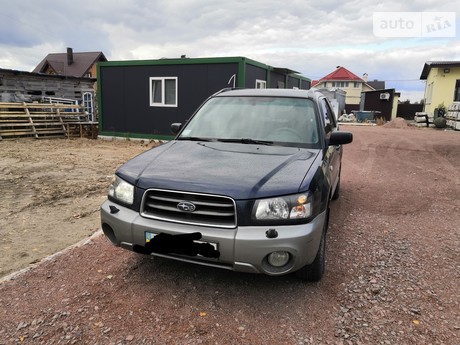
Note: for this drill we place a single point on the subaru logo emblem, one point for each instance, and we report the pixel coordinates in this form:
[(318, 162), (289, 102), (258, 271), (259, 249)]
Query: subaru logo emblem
[(186, 206)]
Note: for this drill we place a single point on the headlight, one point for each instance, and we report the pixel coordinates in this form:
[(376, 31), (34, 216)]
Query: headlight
[(122, 190), (287, 207)]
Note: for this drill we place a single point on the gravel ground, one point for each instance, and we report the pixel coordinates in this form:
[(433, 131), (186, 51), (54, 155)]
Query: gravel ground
[(393, 268)]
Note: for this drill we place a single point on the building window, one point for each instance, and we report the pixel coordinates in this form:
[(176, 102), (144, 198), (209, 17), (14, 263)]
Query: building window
[(340, 84), (356, 84), (163, 92), (261, 84), (429, 93), (88, 105), (457, 91)]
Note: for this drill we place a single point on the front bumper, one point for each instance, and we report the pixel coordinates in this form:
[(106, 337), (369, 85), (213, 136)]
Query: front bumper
[(243, 249)]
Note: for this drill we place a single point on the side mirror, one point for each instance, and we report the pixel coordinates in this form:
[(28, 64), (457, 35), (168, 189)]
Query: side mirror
[(176, 127), (340, 138)]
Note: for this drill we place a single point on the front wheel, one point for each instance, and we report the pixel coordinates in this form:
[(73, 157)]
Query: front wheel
[(314, 271)]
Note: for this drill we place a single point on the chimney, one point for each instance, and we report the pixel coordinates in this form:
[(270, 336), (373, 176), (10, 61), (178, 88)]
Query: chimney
[(69, 56), (365, 77)]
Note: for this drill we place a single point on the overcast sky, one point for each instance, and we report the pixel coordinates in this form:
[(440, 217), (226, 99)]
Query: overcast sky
[(312, 37)]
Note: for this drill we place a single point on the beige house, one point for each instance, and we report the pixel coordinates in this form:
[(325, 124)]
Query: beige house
[(347, 81), (442, 84)]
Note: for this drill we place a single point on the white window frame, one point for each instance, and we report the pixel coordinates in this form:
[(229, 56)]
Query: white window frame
[(163, 93), (88, 104), (342, 84), (261, 84)]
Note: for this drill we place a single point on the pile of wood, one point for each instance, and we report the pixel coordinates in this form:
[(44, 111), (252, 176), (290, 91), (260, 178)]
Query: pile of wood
[(41, 120)]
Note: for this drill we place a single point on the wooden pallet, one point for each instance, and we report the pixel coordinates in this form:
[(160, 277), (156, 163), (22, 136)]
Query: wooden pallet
[(38, 120)]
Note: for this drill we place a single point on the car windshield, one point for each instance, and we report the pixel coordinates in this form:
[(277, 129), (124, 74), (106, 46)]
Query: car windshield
[(255, 120)]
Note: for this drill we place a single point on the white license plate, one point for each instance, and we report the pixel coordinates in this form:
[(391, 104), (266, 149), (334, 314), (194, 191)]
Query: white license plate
[(150, 235)]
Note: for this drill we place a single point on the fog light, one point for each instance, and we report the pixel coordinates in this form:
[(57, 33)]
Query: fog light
[(278, 259)]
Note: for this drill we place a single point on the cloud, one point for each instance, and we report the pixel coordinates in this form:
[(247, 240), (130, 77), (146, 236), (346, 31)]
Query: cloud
[(312, 38)]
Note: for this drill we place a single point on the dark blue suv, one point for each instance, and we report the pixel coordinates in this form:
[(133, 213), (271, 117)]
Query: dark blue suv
[(245, 185)]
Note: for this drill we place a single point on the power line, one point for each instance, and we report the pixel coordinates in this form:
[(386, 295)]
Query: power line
[(403, 80)]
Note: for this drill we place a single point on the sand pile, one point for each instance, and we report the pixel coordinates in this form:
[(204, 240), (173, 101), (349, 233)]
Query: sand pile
[(398, 122)]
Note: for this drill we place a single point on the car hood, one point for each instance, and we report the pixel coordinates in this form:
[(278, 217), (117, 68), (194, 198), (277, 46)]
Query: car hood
[(240, 171)]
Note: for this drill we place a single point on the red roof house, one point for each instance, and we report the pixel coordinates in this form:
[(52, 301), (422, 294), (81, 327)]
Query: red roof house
[(341, 73), (342, 78)]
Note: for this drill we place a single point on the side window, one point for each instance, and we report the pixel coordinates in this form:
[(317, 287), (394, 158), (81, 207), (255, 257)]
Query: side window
[(329, 118)]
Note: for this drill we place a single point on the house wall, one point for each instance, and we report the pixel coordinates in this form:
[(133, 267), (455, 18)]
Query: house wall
[(407, 111), (93, 71), (394, 110), (305, 84), (124, 91), (277, 81), (125, 99), (18, 86), (372, 102), (294, 82), (280, 81), (441, 86), (253, 73), (353, 94)]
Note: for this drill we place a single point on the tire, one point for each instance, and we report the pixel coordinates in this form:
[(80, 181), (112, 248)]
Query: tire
[(336, 194), (315, 271)]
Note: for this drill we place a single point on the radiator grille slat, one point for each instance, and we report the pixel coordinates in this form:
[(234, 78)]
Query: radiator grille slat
[(210, 210)]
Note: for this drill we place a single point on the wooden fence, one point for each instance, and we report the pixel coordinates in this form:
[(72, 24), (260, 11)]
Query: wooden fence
[(40, 120)]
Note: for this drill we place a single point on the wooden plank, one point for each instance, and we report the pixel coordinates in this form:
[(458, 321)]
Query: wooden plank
[(58, 112), (8, 113), (38, 120), (31, 121), (36, 124), (39, 105), (44, 113), (13, 121)]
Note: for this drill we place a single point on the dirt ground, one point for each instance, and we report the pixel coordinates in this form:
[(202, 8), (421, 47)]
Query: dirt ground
[(51, 191), (393, 256)]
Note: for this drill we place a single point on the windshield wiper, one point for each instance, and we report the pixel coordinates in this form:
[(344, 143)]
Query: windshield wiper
[(247, 141), (195, 139)]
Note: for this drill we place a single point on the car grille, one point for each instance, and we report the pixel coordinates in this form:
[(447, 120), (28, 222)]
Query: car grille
[(211, 210)]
